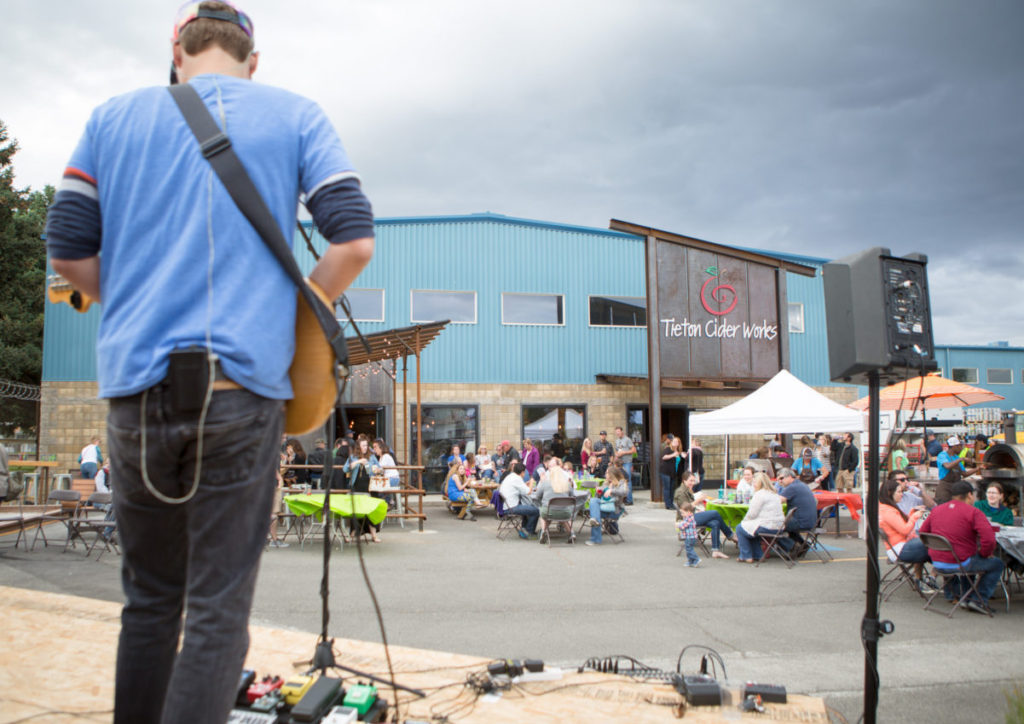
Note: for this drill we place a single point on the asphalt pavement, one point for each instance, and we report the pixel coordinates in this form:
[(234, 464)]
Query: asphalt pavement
[(456, 587)]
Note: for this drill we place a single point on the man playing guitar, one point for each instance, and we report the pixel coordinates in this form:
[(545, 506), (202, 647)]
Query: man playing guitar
[(195, 342)]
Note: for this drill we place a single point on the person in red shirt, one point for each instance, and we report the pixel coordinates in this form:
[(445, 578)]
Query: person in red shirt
[(971, 536)]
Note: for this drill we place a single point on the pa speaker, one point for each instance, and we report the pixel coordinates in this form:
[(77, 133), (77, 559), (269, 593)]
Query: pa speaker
[(878, 315)]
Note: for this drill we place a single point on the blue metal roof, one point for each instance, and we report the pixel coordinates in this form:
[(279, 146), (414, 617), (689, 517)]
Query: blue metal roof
[(490, 216)]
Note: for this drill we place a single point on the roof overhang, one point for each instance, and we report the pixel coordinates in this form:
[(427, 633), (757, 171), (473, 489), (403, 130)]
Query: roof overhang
[(676, 383), (746, 255), (392, 343)]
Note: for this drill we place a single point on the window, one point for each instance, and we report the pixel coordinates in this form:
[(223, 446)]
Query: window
[(542, 422), (443, 426), (531, 308), (796, 317), (1000, 376), (967, 375), (618, 311), (433, 306), (367, 305)]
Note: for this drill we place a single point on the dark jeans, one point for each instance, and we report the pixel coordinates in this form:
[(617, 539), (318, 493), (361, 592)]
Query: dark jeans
[(204, 552), (627, 468), (713, 520), (750, 545), (992, 568), (914, 551), (596, 514), (666, 490), (530, 514)]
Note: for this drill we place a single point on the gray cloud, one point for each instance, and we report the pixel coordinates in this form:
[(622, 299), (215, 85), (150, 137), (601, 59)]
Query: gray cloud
[(809, 127)]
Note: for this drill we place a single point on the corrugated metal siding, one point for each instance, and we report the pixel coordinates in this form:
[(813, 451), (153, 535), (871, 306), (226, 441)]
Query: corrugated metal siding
[(982, 359), (491, 255), (808, 351), (69, 342)]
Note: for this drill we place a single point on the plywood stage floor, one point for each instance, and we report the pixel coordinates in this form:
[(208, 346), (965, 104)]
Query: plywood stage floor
[(57, 665)]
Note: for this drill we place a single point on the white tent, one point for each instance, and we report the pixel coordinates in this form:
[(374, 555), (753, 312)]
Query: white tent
[(783, 404), (547, 426)]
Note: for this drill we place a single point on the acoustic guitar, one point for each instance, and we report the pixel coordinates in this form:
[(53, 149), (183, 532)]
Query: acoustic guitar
[(313, 372)]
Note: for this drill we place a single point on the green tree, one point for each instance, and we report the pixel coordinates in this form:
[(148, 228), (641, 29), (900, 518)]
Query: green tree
[(22, 286)]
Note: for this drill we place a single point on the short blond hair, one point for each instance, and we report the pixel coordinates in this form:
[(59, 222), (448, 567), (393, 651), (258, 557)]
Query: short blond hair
[(762, 482), (559, 480)]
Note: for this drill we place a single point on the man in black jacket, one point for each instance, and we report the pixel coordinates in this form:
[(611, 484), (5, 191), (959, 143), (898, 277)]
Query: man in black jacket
[(847, 463), (316, 457)]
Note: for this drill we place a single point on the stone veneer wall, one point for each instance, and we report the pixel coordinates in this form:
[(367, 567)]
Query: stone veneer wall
[(70, 414)]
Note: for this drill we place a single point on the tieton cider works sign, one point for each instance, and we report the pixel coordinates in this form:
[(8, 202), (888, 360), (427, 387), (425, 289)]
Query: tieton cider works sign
[(718, 316)]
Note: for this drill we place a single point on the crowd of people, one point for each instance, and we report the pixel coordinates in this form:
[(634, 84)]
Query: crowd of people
[(527, 479), (965, 514)]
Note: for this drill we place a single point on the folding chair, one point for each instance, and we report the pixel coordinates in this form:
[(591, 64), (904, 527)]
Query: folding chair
[(16, 520), (31, 489), (561, 509), (104, 527), (811, 542), (610, 527), (68, 500), (898, 574), (968, 580), (508, 524), (84, 515), (773, 542)]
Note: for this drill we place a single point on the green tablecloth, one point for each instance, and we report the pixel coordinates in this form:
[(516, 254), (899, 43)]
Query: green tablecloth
[(365, 506), (732, 513), (589, 484)]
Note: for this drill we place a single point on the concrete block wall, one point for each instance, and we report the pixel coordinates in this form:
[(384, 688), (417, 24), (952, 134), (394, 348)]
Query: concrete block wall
[(70, 415)]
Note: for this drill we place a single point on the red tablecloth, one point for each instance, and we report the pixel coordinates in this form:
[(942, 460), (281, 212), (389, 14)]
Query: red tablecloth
[(851, 501)]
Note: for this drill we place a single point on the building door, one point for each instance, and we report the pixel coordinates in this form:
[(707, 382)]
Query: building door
[(673, 419), (371, 421)]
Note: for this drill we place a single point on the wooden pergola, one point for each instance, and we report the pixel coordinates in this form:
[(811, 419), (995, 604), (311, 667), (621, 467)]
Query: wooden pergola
[(398, 344)]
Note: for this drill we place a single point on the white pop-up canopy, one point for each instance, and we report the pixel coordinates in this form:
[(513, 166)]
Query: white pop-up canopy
[(783, 404)]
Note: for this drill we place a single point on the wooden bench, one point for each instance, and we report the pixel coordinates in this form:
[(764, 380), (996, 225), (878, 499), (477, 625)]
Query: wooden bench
[(85, 486), (460, 508)]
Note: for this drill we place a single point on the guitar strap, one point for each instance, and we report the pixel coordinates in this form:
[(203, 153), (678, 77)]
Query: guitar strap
[(216, 148)]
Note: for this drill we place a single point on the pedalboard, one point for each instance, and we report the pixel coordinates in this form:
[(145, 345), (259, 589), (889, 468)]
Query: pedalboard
[(771, 693), (699, 689), (321, 696)]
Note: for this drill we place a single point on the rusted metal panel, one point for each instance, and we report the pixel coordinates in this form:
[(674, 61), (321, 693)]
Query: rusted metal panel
[(718, 315), (737, 348)]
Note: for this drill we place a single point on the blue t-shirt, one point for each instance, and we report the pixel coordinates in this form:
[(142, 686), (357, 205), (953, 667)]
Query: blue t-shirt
[(945, 457), (816, 466), (799, 496), (167, 220)]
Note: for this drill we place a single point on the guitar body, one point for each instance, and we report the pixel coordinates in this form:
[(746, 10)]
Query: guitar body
[(312, 373)]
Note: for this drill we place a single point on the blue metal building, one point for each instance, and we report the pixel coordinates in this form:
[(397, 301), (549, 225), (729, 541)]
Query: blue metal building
[(539, 310)]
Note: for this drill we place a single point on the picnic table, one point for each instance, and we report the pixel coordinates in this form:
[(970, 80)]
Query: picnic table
[(344, 505)]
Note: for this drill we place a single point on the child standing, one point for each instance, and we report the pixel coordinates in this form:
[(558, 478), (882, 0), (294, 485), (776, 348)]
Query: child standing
[(688, 534)]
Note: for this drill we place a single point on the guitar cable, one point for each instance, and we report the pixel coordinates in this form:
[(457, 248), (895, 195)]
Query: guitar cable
[(211, 356)]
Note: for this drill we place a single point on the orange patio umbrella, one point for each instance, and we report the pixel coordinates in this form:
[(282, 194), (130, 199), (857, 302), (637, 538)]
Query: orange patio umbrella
[(928, 393)]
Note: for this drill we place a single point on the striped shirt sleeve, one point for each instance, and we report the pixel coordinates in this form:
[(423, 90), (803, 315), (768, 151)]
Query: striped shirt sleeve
[(73, 225)]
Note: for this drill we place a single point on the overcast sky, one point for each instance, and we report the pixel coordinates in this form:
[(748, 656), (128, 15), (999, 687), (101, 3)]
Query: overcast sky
[(819, 127)]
